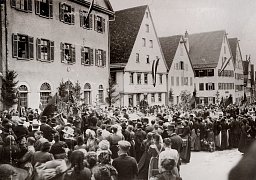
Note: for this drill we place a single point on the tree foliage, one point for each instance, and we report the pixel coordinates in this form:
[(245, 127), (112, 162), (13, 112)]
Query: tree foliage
[(112, 97), (9, 91)]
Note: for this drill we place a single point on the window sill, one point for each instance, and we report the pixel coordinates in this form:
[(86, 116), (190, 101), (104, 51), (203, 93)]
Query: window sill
[(44, 16), (84, 27), (22, 10), (24, 59), (68, 23), (46, 61), (68, 63)]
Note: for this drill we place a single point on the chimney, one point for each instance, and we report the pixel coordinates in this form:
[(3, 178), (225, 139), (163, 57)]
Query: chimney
[(186, 40)]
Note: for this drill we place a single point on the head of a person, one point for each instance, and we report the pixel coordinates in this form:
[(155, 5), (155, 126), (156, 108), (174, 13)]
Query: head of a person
[(167, 142), (38, 135), (104, 145), (91, 159), (80, 140), (101, 173), (31, 141), (46, 146), (77, 160), (8, 172), (105, 157), (157, 139), (114, 129), (123, 146), (56, 137), (168, 164), (150, 136)]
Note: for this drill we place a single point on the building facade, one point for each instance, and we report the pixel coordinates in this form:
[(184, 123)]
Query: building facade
[(47, 42), (134, 49), (239, 75), (211, 57), (180, 71)]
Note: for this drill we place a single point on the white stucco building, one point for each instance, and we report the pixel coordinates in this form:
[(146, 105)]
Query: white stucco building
[(209, 52), (134, 46), (239, 75), (47, 42), (180, 71)]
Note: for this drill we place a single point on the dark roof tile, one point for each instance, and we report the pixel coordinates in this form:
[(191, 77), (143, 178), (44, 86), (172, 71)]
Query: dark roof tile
[(169, 47), (204, 48), (123, 33), (233, 45)]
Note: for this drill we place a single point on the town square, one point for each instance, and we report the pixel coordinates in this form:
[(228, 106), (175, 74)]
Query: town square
[(127, 90)]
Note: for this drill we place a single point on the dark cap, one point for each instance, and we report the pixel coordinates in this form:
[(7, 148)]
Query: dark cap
[(43, 119), (124, 145)]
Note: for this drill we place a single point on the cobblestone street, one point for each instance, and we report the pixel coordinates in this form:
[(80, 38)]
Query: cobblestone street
[(210, 166)]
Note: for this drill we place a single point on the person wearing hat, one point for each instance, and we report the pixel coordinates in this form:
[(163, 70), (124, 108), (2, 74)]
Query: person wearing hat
[(140, 135), (47, 130), (125, 165), (20, 130), (176, 139)]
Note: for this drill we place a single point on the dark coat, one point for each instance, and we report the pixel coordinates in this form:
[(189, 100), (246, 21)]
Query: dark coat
[(176, 142), (126, 167)]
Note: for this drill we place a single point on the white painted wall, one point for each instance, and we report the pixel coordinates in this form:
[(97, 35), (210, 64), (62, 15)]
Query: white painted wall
[(180, 55), (143, 67), (34, 73)]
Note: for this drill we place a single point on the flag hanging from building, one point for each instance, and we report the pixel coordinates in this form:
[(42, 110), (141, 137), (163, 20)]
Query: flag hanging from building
[(154, 71), (90, 10), (224, 65), (246, 71)]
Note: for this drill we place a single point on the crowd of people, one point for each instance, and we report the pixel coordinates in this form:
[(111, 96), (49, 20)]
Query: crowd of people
[(117, 143)]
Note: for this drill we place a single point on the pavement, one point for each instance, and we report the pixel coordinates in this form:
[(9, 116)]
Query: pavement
[(210, 165)]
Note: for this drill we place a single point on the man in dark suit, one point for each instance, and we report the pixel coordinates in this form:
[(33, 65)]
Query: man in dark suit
[(125, 165), (47, 130), (175, 139)]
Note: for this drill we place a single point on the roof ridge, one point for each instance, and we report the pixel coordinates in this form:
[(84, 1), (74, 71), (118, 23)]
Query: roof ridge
[(170, 36), (129, 9), (208, 32)]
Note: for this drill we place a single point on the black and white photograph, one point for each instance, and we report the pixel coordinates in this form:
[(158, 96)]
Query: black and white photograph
[(127, 90)]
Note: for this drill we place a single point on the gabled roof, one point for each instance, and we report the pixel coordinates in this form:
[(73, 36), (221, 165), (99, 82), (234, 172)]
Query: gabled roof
[(123, 33), (233, 42), (169, 47), (204, 48)]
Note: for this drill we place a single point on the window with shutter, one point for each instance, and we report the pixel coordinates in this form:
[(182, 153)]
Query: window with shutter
[(82, 55), (91, 57), (206, 86), (96, 57), (37, 5), (85, 21), (72, 15), (14, 45), (50, 9), (104, 57), (103, 25), (91, 21), (61, 13), (22, 5), (62, 52), (38, 49), (67, 13), (31, 48), (95, 23), (73, 54), (52, 50), (23, 47)]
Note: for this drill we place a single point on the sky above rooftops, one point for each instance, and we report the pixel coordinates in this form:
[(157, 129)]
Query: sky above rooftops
[(172, 17)]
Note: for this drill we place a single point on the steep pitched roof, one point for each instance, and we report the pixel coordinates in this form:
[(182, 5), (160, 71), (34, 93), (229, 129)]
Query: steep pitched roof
[(204, 48), (123, 33), (233, 42), (169, 47)]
